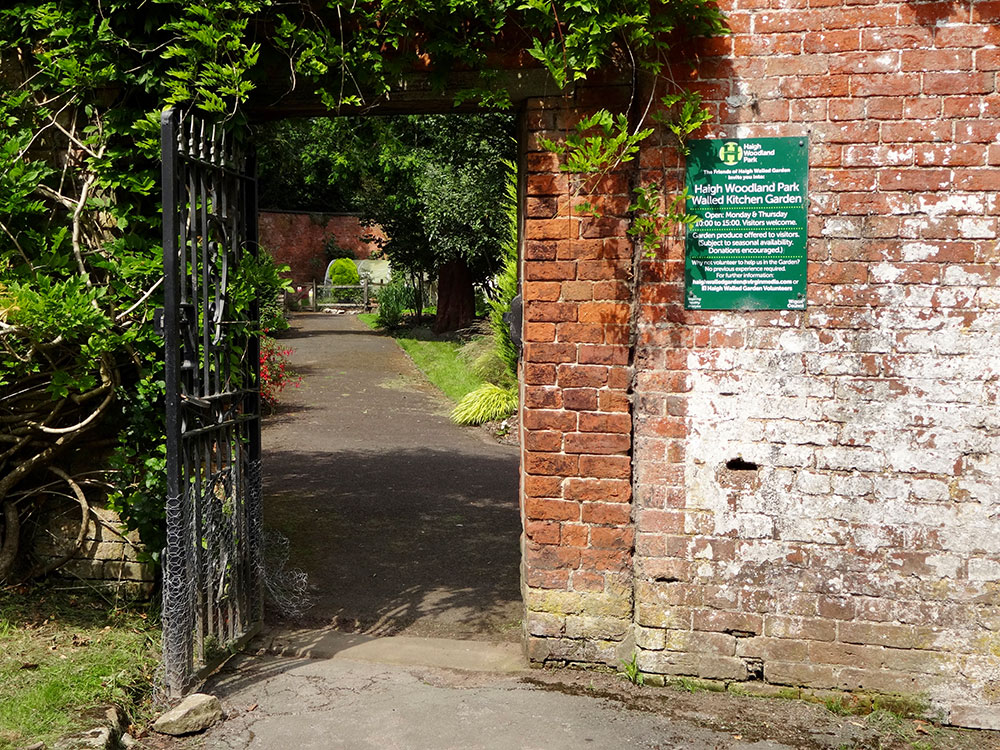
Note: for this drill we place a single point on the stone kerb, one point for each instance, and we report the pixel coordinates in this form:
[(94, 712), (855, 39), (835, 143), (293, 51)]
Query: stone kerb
[(576, 422)]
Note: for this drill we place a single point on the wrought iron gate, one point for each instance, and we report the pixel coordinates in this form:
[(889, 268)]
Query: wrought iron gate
[(212, 565)]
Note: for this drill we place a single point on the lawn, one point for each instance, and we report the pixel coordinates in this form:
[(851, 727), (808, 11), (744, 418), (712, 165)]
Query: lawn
[(437, 358), (67, 654)]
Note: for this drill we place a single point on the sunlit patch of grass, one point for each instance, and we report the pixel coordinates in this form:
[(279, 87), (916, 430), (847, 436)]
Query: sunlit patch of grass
[(64, 654), (439, 360)]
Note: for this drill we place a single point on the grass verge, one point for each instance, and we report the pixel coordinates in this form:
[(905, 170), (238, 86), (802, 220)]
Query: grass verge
[(64, 656), (438, 358)]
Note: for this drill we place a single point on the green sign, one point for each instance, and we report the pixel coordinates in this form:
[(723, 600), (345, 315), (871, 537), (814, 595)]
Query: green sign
[(748, 249)]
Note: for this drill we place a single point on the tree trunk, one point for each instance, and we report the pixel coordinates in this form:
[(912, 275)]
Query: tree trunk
[(420, 298), (456, 305)]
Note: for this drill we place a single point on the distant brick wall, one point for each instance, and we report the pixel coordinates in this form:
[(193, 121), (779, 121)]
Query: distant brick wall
[(299, 239), (863, 551)]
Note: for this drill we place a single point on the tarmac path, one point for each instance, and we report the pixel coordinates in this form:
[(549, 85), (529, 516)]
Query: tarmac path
[(404, 522)]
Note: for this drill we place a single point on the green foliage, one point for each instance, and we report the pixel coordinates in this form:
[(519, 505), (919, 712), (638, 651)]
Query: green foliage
[(435, 185), (343, 271), (272, 314), (480, 354), (506, 281), (631, 672), (333, 250), (598, 143), (139, 463), (439, 360), (276, 372), (585, 33), (682, 115), (839, 706), (310, 165), (655, 216), (80, 97), (270, 286), (487, 403), (393, 300), (494, 358)]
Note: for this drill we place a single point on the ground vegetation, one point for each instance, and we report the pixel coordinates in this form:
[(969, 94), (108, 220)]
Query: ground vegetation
[(498, 397), (68, 656)]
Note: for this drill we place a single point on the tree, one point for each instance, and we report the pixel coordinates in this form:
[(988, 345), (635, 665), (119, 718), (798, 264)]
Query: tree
[(311, 165), (438, 190), (434, 183)]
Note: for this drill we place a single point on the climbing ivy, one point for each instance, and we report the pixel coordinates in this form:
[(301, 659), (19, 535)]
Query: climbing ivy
[(81, 88)]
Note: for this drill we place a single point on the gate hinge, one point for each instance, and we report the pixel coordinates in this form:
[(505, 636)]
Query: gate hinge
[(513, 319), (185, 314)]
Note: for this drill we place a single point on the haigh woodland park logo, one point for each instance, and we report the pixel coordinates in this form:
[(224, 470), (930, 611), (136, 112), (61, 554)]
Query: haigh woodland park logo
[(730, 153)]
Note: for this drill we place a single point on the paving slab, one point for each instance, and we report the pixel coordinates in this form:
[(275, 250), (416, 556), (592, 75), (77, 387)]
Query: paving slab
[(276, 702), (326, 643)]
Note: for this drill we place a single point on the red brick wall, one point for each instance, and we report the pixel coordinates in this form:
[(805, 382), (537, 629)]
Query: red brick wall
[(576, 423), (298, 239), (863, 552)]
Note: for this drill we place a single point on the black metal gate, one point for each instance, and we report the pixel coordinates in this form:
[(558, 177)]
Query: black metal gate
[(212, 565)]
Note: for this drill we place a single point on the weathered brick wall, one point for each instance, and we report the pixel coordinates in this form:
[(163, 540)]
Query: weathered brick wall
[(853, 542), (298, 240), (109, 556)]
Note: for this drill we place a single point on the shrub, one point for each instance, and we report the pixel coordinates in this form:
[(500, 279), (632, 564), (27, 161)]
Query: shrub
[(393, 300), (271, 288), (275, 372), (343, 272), (480, 353)]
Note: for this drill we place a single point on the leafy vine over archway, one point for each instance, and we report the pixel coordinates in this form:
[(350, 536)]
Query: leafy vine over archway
[(81, 86)]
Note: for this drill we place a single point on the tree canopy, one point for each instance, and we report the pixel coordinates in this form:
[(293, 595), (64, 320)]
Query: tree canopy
[(311, 165), (434, 183)]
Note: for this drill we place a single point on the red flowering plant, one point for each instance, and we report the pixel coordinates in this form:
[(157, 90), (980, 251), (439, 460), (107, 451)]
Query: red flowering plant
[(275, 371)]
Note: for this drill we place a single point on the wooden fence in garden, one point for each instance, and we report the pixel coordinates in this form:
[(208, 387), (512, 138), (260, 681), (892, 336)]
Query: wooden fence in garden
[(315, 297)]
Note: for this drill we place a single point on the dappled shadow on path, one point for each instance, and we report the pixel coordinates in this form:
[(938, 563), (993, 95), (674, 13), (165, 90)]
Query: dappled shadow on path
[(417, 542)]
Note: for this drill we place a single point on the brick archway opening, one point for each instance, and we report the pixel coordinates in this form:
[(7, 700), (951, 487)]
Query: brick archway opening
[(575, 422)]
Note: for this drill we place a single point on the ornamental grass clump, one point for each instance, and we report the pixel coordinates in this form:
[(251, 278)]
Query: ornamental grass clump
[(487, 403), (393, 300)]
